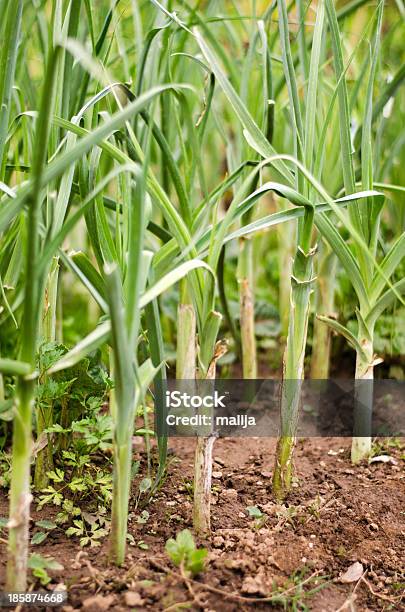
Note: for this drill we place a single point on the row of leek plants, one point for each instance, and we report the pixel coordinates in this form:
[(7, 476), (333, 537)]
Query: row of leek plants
[(82, 156)]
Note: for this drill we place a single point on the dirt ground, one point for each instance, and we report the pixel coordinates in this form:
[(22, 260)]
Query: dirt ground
[(337, 515)]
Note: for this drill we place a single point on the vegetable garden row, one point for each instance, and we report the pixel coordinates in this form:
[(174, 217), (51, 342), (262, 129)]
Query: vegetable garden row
[(188, 190)]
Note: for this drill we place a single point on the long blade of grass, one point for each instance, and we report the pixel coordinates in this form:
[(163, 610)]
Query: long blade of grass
[(291, 80), (8, 59), (344, 117), (262, 145)]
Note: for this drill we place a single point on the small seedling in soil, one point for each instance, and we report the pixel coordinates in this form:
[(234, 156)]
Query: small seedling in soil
[(89, 529), (258, 515), (144, 486), (287, 514), (341, 552), (39, 566), (183, 553), (41, 536), (315, 507), (188, 487), (298, 595), (143, 517)]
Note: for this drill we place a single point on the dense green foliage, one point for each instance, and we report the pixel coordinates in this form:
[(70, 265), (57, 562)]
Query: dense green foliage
[(176, 182)]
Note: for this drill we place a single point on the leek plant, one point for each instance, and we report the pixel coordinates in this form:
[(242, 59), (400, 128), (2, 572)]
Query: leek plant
[(363, 225), (210, 241), (123, 287), (302, 268), (124, 323), (350, 103), (370, 279), (20, 496)]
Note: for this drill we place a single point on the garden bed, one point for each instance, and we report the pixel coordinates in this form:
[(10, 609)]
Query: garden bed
[(340, 515)]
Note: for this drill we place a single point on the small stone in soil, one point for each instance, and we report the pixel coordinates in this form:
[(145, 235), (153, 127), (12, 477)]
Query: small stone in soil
[(352, 574), (133, 599), (219, 461)]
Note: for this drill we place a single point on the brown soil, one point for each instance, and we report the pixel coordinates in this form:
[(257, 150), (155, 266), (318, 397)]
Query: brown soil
[(337, 515)]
